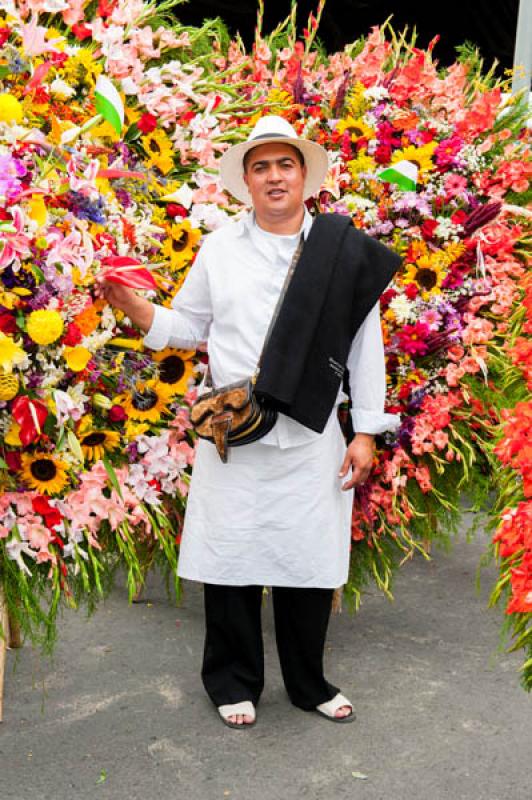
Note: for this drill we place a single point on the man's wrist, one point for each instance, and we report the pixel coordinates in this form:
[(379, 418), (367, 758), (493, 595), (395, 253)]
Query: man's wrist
[(365, 437)]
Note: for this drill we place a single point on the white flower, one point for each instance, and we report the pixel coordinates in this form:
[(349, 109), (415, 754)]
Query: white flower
[(403, 308), (61, 88)]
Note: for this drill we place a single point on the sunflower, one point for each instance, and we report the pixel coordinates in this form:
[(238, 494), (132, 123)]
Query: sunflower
[(175, 369), (44, 472), (159, 149), (96, 443), (356, 127), (428, 273), (148, 401), (420, 156), (179, 245)]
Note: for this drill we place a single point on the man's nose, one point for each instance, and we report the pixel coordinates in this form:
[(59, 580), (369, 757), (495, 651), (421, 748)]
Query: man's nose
[(274, 173)]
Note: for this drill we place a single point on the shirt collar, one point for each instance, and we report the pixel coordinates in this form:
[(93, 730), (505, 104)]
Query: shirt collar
[(246, 223)]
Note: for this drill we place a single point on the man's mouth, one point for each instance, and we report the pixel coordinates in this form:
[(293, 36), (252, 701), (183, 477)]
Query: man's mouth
[(276, 192)]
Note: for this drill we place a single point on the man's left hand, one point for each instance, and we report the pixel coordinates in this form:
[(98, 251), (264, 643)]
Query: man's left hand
[(358, 457)]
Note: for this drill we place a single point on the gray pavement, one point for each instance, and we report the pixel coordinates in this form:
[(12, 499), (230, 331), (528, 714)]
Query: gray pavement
[(120, 714)]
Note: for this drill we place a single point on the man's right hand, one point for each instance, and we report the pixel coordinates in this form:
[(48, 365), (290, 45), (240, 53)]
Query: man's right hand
[(138, 309)]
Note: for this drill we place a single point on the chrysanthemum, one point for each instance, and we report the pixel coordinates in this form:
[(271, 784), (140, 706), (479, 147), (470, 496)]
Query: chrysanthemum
[(159, 150), (96, 443), (148, 401), (44, 472), (45, 326), (179, 245), (175, 368)]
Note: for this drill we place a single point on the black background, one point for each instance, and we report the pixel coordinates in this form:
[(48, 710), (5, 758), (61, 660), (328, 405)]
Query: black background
[(490, 24)]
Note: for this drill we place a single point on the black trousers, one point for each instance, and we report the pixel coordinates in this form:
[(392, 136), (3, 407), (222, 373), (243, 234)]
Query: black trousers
[(233, 661)]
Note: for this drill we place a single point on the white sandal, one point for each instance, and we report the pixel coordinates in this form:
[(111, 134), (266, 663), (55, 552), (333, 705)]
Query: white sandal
[(329, 709), (245, 708)]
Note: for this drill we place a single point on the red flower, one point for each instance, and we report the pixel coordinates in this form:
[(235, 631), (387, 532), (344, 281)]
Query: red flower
[(412, 291), (106, 8), (81, 31), (117, 414), (73, 335), (31, 416), (412, 338), (383, 154), (147, 123), (7, 322), (459, 217), (13, 460), (428, 228), (175, 210), (4, 35)]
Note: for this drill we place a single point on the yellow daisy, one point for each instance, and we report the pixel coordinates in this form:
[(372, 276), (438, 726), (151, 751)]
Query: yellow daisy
[(180, 243), (148, 402), (159, 149), (96, 443), (44, 472), (175, 368)]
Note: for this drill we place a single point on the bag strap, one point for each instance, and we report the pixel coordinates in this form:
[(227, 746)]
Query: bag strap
[(288, 278)]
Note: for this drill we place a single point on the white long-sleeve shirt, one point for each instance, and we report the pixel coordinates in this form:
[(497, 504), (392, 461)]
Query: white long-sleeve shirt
[(227, 302)]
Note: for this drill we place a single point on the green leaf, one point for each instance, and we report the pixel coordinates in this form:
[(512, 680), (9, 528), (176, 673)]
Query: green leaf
[(112, 477), (3, 464), (3, 72), (103, 777)]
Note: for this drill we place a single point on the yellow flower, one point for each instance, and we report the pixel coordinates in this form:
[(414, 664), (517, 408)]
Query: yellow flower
[(37, 209), (10, 109), (134, 429), (362, 163), (11, 353), (81, 69), (12, 437), (420, 156), (278, 97), (44, 472), (148, 401), (77, 357), (95, 443), (129, 344), (179, 245), (44, 327), (9, 385), (356, 102), (159, 149), (428, 273), (176, 368), (356, 127)]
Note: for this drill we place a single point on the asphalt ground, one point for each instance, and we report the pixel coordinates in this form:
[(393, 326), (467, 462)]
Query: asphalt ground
[(120, 712)]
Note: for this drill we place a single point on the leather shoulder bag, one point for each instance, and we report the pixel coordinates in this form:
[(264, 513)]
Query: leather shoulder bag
[(233, 415)]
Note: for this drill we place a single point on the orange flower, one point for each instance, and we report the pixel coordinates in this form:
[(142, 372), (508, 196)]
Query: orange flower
[(88, 320)]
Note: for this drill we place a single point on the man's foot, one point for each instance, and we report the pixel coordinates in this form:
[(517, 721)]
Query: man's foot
[(339, 709), (238, 715)]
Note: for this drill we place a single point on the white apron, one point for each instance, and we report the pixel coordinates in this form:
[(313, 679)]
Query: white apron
[(270, 516)]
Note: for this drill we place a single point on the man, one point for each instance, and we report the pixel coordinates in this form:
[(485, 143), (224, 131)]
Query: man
[(279, 512)]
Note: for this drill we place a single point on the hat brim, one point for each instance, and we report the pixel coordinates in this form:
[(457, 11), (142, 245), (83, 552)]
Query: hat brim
[(232, 165)]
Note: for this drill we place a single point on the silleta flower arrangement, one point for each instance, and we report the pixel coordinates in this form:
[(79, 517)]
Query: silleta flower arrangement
[(112, 118)]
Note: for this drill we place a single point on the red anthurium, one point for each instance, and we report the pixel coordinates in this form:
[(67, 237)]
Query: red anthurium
[(31, 416), (128, 272)]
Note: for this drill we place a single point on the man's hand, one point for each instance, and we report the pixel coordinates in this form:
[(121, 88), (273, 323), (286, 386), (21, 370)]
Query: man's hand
[(138, 309), (358, 457)]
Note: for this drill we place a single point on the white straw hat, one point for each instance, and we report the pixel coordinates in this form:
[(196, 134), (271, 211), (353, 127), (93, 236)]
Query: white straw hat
[(267, 130)]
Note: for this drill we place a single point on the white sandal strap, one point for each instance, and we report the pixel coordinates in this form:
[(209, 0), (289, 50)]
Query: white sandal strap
[(246, 707), (331, 706)]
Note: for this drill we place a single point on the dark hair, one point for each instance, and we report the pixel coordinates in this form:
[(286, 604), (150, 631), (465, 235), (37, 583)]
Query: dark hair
[(291, 146)]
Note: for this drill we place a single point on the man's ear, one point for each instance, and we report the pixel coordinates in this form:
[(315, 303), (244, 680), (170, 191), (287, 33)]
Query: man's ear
[(244, 175)]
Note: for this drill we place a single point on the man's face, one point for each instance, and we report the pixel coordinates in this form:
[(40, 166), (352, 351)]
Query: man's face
[(275, 179)]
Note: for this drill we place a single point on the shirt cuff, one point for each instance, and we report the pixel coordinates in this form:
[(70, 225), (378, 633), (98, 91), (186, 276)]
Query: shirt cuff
[(161, 326), (374, 422)]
